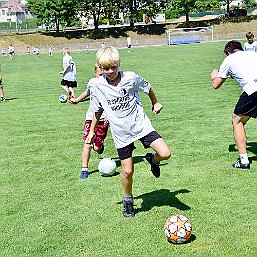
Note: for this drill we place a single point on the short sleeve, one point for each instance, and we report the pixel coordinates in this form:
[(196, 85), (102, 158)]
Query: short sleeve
[(224, 70)]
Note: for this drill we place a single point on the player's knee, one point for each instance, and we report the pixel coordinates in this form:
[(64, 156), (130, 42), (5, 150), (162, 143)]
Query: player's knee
[(127, 173), (165, 154)]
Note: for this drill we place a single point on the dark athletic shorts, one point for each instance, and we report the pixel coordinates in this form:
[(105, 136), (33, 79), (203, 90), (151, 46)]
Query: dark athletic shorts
[(247, 105), (1, 82), (100, 132), (126, 152), (68, 83)]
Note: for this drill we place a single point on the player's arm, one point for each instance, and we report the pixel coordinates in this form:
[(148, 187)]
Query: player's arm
[(80, 98), (91, 133), (157, 107), (216, 81)]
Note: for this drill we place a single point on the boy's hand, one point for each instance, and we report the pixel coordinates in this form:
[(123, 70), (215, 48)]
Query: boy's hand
[(89, 138), (214, 74), (73, 100), (157, 107)]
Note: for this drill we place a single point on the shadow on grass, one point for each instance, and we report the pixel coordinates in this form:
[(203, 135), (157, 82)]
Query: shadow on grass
[(251, 147), (9, 99), (190, 240), (162, 197)]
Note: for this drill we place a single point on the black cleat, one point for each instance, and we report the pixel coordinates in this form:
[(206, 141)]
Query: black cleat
[(154, 168), (128, 210), (240, 165), (101, 150)]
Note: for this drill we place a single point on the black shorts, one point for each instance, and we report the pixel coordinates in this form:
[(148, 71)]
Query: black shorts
[(68, 83), (1, 82), (129, 46), (247, 105), (126, 152)]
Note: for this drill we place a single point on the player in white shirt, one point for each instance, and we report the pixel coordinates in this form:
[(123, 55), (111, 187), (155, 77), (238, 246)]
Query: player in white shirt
[(69, 77), (116, 92), (50, 51), (128, 43), (101, 128), (11, 51), (250, 45), (241, 65)]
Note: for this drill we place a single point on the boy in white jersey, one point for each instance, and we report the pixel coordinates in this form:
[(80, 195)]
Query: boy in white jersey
[(241, 65), (116, 92), (250, 45), (68, 82), (100, 131)]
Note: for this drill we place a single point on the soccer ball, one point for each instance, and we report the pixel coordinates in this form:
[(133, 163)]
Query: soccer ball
[(107, 167), (63, 98), (177, 229)]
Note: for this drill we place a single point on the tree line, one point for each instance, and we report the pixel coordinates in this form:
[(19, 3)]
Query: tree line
[(67, 12)]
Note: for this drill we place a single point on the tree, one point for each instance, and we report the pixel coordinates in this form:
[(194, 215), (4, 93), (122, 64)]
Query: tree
[(227, 3), (136, 8), (53, 11), (188, 6)]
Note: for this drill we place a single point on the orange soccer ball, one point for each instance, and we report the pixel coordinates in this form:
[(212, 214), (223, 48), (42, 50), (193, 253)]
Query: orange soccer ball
[(177, 229)]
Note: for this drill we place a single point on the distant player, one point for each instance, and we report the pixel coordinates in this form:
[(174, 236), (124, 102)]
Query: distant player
[(128, 43), (241, 65), (3, 52), (117, 93), (28, 50), (103, 45), (11, 51), (50, 51), (101, 128), (250, 45), (37, 51), (69, 77)]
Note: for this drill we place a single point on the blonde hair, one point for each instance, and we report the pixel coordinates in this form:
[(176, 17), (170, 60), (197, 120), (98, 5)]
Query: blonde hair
[(97, 71), (107, 57), (66, 50)]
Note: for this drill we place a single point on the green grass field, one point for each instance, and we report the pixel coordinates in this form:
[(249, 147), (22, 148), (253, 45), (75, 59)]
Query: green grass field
[(47, 210)]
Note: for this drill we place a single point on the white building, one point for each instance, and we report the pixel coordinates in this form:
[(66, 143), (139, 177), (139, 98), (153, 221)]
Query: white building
[(13, 11)]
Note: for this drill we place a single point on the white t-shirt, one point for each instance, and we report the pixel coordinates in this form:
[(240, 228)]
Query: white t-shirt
[(90, 113), (70, 73), (242, 66), (123, 108), (250, 47), (128, 41)]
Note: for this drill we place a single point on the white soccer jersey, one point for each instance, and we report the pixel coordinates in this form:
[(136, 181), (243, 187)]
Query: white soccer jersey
[(90, 113), (250, 47), (123, 108), (241, 66), (70, 73)]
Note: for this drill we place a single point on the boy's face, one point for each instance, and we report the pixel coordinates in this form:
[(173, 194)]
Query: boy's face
[(111, 72), (250, 39)]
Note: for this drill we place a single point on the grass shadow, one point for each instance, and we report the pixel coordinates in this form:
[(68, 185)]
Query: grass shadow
[(162, 197), (190, 240), (251, 147)]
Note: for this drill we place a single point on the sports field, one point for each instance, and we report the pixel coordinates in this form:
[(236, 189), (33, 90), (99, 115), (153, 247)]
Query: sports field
[(47, 210)]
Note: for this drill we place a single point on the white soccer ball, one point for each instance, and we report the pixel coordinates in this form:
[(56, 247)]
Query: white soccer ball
[(63, 98), (107, 167)]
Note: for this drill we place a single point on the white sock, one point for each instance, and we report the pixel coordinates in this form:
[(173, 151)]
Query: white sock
[(85, 169), (244, 158)]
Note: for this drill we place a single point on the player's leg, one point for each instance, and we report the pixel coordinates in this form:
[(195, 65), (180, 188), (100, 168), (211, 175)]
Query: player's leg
[(127, 165), (64, 85), (245, 108), (127, 180), (1, 91), (100, 135), (86, 150), (240, 140), (162, 151)]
